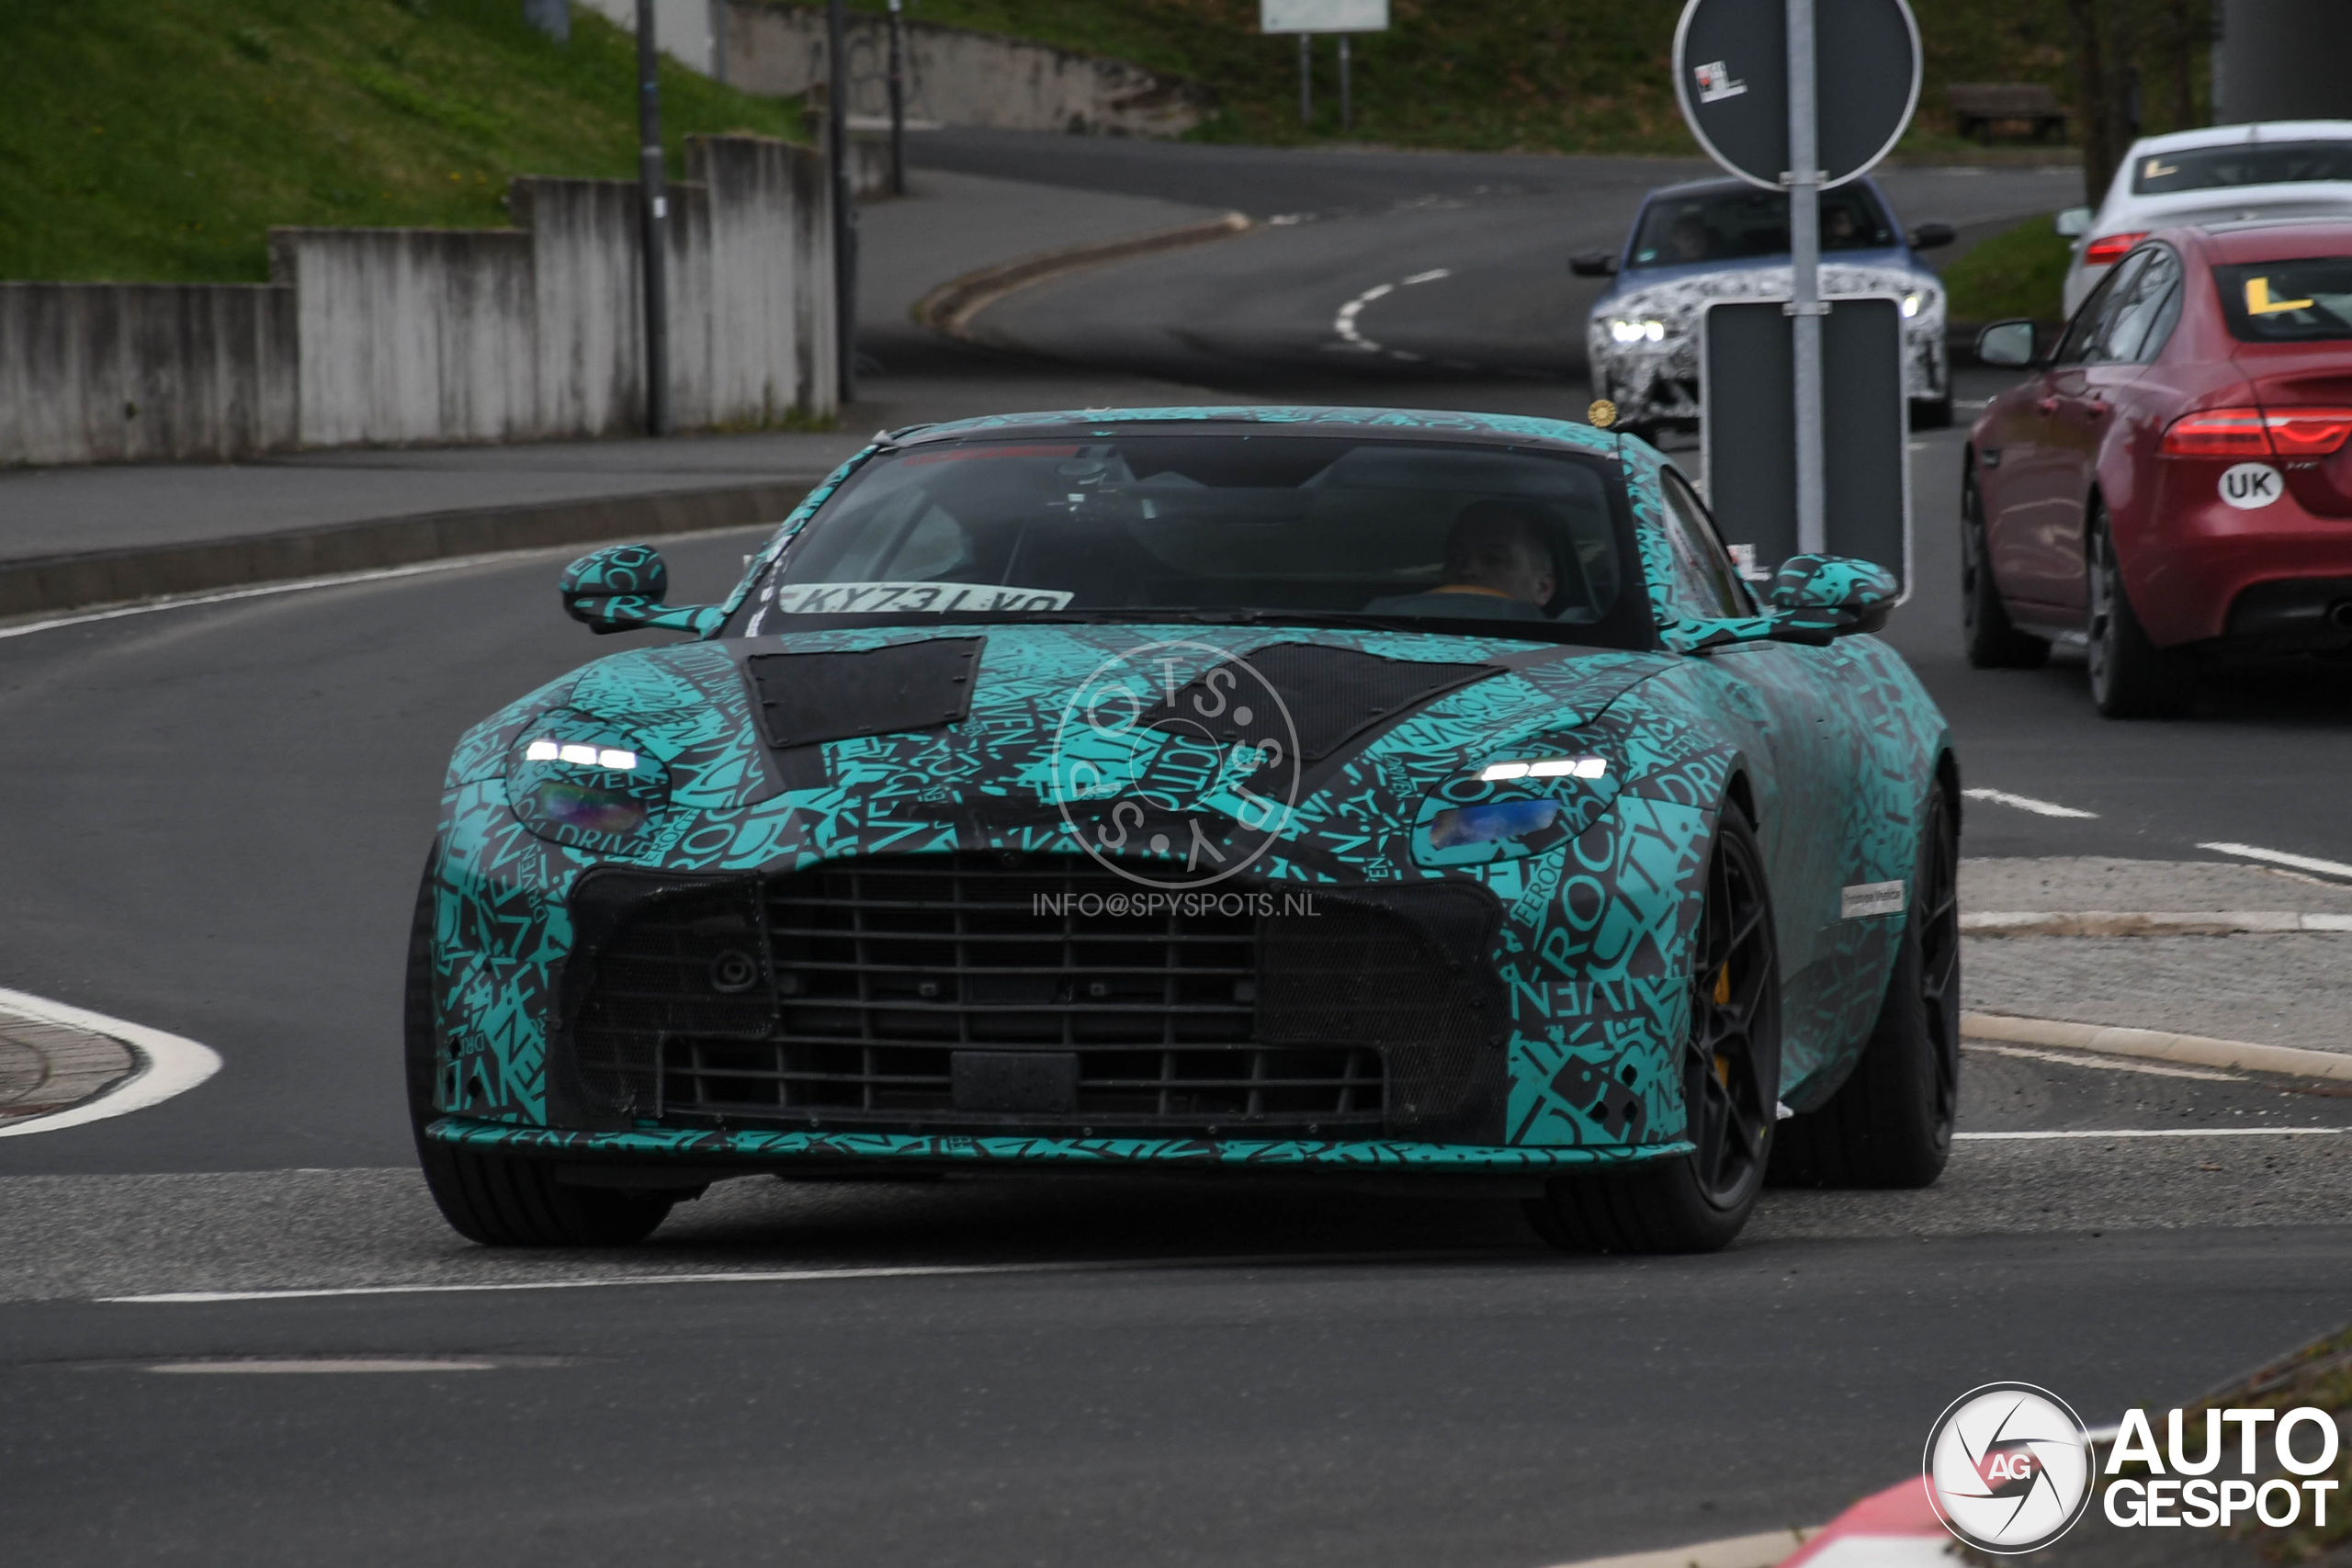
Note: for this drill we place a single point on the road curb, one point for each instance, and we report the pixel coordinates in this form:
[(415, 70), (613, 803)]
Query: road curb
[(45, 583), (2157, 1046), (951, 306)]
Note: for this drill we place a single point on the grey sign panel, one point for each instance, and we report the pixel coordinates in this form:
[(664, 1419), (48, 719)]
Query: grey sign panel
[(1731, 73), (1748, 428)]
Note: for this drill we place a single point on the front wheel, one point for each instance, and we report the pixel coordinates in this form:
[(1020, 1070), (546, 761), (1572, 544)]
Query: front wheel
[(490, 1197), (1731, 1070), (2130, 676), (1890, 1124)]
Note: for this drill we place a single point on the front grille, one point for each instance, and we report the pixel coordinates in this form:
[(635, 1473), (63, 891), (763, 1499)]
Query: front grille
[(931, 991)]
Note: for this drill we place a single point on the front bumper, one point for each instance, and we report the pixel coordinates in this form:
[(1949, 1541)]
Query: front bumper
[(785, 1151), (1658, 384)]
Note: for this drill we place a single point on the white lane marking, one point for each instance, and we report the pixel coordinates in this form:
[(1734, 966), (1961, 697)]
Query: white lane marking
[(2163, 1133), (2103, 1064), (2027, 803), (341, 579), (2300, 863), (341, 1364), (1344, 323), (168, 1065)]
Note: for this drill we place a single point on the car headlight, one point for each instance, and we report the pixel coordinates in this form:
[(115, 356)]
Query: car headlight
[(581, 781), (1643, 331), (1913, 302), (1515, 805)]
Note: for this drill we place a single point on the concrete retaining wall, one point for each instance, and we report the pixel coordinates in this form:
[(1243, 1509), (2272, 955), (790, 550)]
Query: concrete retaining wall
[(957, 77), (401, 335)]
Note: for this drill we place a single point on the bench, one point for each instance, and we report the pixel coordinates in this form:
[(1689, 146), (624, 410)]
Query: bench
[(1978, 107)]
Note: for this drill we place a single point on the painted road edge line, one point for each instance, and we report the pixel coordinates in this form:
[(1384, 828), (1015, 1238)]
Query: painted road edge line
[(2194, 1049), (168, 1064), (2075, 1134), (951, 306), (2281, 857), (2147, 922), (1762, 1551), (2028, 803)]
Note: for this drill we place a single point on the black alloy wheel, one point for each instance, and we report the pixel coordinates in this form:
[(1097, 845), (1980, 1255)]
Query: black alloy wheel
[(1731, 1067), (2130, 676), (1890, 1124), (1991, 641), (501, 1199)]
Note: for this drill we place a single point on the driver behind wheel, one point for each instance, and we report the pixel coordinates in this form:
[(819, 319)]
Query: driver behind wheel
[(1499, 565)]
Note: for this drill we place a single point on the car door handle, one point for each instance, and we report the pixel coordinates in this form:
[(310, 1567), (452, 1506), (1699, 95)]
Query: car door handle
[(2047, 405), (2093, 408)]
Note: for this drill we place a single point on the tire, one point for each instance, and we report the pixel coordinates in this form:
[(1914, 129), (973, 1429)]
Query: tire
[(499, 1200), (1890, 1124), (1931, 413), (1731, 1078), (1992, 643), (2131, 677)]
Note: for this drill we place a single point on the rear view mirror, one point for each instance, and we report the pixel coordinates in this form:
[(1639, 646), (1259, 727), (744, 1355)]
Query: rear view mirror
[(2007, 344), (1840, 594), (1593, 264), (1933, 236), (620, 589), (2074, 221)]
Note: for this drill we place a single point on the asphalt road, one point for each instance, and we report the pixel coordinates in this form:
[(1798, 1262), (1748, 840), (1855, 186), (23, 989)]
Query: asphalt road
[(217, 833)]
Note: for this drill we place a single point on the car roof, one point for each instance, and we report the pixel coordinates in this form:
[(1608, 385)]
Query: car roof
[(1729, 187), (2259, 132), (1407, 424), (2277, 239)]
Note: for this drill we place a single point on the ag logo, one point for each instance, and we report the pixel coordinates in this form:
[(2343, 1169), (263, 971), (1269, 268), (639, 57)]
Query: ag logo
[(2009, 1468), (2249, 485), (1176, 765)]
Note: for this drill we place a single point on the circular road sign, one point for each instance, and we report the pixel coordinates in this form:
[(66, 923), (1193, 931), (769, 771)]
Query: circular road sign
[(1731, 76)]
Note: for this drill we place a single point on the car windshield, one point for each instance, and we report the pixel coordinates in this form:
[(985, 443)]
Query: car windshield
[(2241, 164), (1737, 224), (1103, 526), (2290, 302)]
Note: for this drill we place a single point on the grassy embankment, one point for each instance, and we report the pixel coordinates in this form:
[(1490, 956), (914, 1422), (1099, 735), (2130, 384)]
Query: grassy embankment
[(2017, 273), (1536, 74), (160, 139)]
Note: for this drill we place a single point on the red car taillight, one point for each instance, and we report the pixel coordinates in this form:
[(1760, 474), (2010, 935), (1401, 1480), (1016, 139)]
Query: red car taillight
[(2250, 433), (2109, 249)]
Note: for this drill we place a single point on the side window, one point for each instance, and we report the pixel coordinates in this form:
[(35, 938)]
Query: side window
[(2129, 327), (1704, 578), (2083, 332)]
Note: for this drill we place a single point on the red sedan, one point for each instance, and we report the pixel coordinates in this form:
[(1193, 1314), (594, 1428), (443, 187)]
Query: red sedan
[(2172, 484)]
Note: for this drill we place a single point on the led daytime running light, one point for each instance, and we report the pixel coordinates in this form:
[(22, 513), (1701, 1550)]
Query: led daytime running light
[(1546, 768), (610, 758)]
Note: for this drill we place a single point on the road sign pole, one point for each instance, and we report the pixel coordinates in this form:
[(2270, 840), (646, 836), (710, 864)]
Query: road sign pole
[(1346, 100), (1804, 180), (653, 213), (1307, 79)]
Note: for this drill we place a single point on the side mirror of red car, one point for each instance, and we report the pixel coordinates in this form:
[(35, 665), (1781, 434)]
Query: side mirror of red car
[(2008, 343)]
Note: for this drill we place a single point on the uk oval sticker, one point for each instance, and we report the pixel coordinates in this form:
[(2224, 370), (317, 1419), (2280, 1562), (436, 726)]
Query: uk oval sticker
[(2250, 485)]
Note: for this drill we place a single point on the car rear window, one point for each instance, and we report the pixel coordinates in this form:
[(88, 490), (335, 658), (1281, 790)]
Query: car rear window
[(2245, 163), (2308, 300), (1105, 526), (1731, 225)]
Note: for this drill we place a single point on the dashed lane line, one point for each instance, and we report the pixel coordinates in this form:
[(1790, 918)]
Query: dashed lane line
[(2281, 857), (1350, 334), (2028, 803)]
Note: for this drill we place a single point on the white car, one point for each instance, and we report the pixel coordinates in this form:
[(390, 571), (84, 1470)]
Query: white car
[(1723, 240), (2222, 173)]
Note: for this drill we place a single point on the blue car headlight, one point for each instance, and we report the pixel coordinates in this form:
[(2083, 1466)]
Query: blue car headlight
[(1515, 805), (584, 782)]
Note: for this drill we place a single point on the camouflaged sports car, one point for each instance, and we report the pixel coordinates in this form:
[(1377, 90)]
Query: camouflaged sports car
[(1310, 790)]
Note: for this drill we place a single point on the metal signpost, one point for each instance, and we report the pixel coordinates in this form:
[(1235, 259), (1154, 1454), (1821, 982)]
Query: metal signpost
[(845, 202), (653, 213), (1751, 76), (1308, 18)]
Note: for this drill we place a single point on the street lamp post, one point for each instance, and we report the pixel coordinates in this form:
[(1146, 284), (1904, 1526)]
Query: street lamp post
[(653, 213)]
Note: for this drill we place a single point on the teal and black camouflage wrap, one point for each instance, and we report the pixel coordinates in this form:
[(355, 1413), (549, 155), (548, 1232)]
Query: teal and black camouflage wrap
[(1832, 749)]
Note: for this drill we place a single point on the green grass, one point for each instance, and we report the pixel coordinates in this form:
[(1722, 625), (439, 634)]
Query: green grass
[(160, 139), (1558, 76), (2018, 273)]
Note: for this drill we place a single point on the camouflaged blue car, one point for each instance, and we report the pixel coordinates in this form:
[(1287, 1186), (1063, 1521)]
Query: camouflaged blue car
[(1248, 790)]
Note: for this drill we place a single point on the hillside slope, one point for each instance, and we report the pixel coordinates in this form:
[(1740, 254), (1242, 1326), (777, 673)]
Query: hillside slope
[(159, 139), (1562, 75)]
